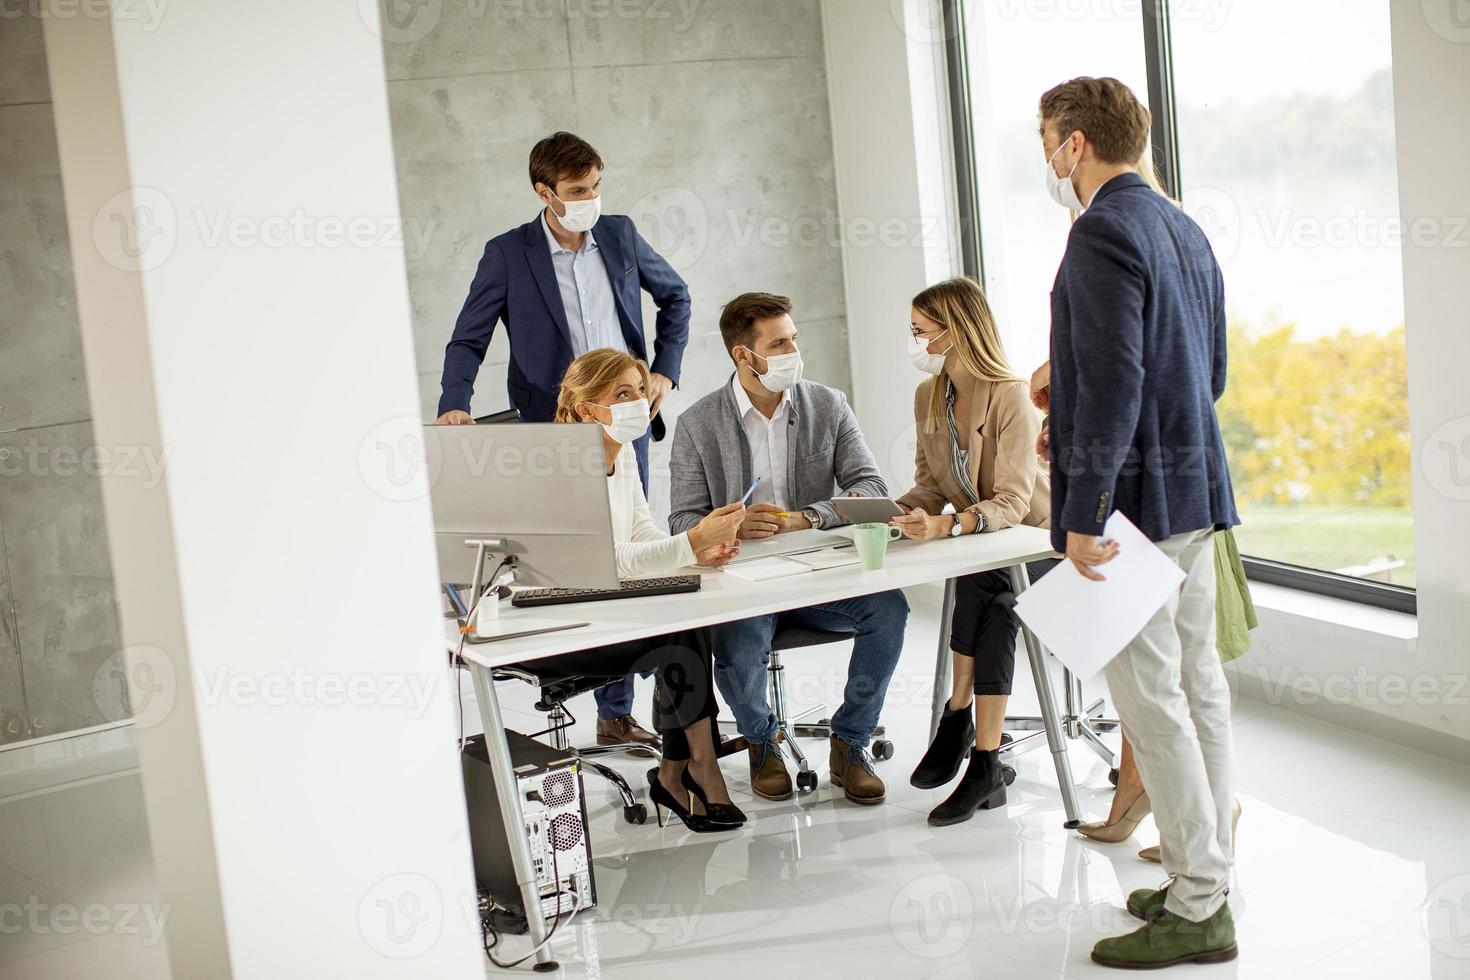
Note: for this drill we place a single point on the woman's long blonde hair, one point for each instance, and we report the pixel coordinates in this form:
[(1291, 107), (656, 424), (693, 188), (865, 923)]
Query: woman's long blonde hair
[(959, 306), (590, 375)]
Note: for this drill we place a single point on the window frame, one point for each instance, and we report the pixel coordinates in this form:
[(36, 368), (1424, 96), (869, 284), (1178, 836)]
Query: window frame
[(1159, 68)]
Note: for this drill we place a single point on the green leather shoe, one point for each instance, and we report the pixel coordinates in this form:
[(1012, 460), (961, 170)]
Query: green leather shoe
[(1145, 903), (1168, 939)]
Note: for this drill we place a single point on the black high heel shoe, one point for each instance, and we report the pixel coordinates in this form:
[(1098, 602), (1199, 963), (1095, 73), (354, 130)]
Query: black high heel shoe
[(664, 800), (726, 814)]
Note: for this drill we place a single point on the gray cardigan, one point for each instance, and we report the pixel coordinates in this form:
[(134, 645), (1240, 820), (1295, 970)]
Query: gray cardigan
[(825, 456)]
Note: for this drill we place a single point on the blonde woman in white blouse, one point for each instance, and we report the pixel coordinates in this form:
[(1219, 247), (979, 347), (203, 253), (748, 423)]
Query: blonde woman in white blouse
[(610, 388)]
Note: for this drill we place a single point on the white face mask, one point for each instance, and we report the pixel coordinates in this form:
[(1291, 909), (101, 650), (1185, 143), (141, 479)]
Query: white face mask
[(629, 420), (581, 215), (1060, 188), (783, 371), (923, 360)]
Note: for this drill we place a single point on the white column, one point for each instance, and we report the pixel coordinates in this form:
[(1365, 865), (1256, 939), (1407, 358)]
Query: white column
[(230, 200), (1431, 57), (894, 193)]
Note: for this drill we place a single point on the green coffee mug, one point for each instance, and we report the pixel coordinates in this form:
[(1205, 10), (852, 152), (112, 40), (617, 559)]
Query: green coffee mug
[(872, 543)]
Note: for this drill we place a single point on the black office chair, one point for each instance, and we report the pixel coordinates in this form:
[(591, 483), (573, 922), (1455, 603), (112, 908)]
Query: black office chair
[(556, 690), (788, 728)]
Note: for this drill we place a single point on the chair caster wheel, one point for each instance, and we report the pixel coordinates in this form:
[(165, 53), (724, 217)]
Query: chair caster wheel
[(1008, 774), (882, 749), (637, 813), (806, 781), (1113, 777)]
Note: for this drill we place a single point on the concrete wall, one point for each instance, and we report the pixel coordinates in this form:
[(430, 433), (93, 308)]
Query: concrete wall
[(58, 621), (711, 117)]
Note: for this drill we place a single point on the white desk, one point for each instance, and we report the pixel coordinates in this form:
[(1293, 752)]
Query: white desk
[(724, 598)]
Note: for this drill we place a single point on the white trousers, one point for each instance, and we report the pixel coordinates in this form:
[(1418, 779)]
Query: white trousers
[(1174, 705)]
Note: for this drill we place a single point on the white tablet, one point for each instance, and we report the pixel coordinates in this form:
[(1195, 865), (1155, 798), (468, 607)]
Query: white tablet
[(866, 510)]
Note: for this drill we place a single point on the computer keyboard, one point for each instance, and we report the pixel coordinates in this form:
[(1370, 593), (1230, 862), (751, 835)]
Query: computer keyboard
[(631, 589)]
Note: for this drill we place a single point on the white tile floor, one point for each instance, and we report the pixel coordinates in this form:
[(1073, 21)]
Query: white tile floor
[(1354, 861)]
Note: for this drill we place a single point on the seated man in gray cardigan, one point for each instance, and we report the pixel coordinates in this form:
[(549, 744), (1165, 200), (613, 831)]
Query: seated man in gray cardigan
[(803, 443)]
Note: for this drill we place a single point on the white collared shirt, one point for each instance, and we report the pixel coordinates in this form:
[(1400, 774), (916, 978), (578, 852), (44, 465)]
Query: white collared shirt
[(643, 549), (586, 294), (767, 439)]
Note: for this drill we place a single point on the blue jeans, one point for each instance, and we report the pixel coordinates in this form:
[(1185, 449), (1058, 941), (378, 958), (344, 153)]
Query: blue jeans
[(742, 653), (616, 699)]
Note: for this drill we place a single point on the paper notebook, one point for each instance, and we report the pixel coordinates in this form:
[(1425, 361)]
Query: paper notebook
[(763, 569)]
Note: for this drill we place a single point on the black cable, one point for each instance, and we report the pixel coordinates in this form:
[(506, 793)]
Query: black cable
[(555, 922)]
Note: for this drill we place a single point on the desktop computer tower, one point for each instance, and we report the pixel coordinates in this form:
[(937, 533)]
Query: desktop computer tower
[(554, 805)]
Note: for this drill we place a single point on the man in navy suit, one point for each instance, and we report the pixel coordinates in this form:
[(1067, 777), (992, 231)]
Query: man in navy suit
[(564, 283), (1138, 361)]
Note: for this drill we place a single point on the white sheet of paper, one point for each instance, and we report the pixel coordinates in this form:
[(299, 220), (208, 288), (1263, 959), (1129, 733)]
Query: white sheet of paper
[(1085, 623), (764, 569), (792, 542)]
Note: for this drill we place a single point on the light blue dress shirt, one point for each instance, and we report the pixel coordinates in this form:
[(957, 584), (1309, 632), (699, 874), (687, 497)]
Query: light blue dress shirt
[(586, 295)]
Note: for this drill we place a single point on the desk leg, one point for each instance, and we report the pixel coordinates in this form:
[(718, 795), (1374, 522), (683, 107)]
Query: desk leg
[(510, 811), (1054, 737), (942, 663)]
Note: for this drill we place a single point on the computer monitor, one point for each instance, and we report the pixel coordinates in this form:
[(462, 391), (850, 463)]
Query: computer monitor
[(533, 492)]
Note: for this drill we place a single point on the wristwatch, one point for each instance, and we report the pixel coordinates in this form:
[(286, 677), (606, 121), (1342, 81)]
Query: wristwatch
[(956, 529), (812, 515)]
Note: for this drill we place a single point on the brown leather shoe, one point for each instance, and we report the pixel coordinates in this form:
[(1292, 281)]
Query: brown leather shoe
[(768, 776), (852, 770), (625, 729)]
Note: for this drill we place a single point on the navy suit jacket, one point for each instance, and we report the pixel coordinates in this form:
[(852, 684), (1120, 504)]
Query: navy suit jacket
[(1138, 361), (517, 283)]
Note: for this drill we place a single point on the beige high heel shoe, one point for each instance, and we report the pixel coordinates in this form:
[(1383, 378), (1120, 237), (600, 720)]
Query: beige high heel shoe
[(1121, 829), (1152, 853)]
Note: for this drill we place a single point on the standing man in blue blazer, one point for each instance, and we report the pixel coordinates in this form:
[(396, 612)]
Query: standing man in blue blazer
[(564, 283), (1138, 361)]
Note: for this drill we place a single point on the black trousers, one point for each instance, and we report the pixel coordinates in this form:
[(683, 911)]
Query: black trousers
[(684, 692), (985, 624)]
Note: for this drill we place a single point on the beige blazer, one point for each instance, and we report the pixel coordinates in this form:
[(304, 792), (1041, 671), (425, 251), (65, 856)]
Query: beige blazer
[(1013, 485)]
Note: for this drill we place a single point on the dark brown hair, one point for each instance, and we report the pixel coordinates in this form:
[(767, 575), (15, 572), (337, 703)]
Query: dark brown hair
[(738, 318), (562, 156), (1105, 110)]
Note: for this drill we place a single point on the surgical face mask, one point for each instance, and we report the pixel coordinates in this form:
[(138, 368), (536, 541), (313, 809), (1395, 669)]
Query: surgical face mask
[(783, 371), (581, 215), (629, 420), (1060, 188), (923, 360)]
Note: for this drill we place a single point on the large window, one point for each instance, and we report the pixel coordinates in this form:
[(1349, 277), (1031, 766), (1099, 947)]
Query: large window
[(1013, 56), (1293, 169), (1277, 123)]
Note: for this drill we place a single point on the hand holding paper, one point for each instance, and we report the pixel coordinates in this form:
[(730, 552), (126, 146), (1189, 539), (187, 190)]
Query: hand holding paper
[(1086, 623)]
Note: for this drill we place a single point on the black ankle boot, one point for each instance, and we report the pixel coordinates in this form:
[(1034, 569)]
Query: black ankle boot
[(952, 743), (982, 788)]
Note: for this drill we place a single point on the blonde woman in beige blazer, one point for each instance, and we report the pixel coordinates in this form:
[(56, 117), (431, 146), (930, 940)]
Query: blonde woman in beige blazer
[(976, 457)]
